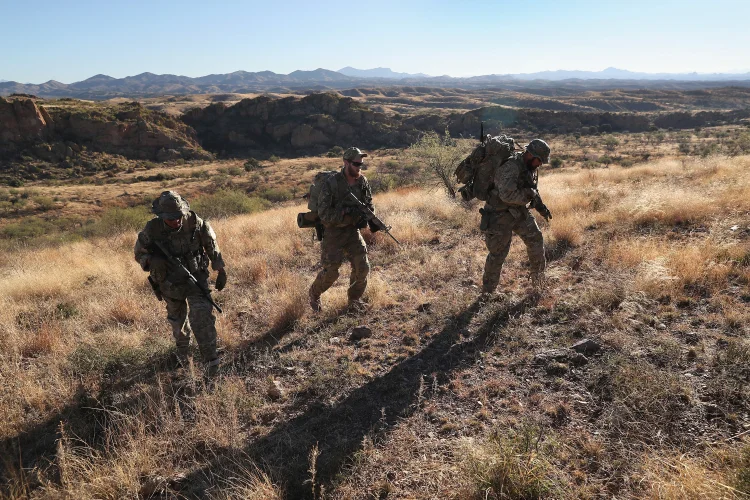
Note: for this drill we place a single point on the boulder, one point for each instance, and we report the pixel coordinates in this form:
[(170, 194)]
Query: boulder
[(586, 347), (359, 333)]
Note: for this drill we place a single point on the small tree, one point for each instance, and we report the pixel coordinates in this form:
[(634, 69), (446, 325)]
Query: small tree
[(252, 164), (335, 152), (605, 160), (611, 143), (442, 155), (556, 163)]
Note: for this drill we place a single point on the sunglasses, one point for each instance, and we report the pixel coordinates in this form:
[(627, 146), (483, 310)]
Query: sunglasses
[(357, 163)]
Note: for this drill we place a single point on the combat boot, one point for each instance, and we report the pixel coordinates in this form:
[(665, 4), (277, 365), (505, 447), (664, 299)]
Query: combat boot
[(314, 301), (538, 283), (183, 357), (356, 306), (212, 367)]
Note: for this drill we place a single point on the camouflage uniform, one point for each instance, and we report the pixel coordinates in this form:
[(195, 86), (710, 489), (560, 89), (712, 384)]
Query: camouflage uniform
[(193, 244), (341, 237), (506, 213)]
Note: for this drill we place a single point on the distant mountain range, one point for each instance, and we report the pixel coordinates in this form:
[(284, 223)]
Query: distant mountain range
[(379, 73), (623, 74), (150, 84)]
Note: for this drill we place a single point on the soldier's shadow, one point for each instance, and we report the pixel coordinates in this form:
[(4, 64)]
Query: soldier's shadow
[(338, 431)]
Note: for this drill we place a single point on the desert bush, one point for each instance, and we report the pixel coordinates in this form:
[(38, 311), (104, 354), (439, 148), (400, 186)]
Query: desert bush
[(514, 464), (274, 159), (116, 221), (45, 203), (225, 203), (335, 152), (276, 194), (221, 181), (556, 163), (441, 154), (32, 227), (200, 174), (641, 400), (611, 143), (252, 164), (232, 171), (729, 388)]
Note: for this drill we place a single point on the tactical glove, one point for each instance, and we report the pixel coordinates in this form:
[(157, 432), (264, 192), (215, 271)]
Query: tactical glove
[(221, 280), (538, 205)]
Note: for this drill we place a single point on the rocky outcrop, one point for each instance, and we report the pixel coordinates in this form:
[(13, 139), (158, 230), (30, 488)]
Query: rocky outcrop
[(496, 118), (310, 124), (22, 123), (127, 129)]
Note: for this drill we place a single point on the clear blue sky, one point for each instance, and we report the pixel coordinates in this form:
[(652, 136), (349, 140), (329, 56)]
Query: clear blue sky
[(72, 40)]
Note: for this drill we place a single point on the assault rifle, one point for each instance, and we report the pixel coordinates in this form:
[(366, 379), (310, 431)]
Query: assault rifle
[(371, 218), (176, 263)]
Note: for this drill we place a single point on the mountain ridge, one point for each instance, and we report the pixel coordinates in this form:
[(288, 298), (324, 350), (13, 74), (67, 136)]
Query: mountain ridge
[(102, 86)]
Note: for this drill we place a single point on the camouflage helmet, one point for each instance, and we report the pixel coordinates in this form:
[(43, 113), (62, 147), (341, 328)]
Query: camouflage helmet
[(539, 149), (352, 153), (170, 205)]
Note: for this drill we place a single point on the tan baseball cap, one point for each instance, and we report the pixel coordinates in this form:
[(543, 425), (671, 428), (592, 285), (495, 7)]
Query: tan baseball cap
[(352, 153)]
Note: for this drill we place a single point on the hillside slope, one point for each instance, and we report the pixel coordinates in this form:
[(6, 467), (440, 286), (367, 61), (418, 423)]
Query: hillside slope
[(449, 397)]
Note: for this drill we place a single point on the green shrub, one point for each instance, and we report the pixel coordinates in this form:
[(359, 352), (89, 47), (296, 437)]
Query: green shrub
[(116, 221), (200, 174), (514, 463), (335, 152), (227, 202), (31, 227), (276, 194), (45, 203), (274, 159), (252, 164), (233, 171), (556, 163)]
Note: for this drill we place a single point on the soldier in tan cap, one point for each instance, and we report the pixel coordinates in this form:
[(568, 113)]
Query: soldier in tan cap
[(192, 242), (507, 212), (341, 236)]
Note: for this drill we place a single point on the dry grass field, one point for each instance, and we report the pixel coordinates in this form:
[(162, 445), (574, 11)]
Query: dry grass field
[(449, 397)]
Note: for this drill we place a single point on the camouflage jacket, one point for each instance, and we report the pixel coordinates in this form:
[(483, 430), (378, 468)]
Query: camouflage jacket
[(193, 245), (334, 200), (513, 185)]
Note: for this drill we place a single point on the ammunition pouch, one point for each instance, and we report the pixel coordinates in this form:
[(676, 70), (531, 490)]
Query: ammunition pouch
[(155, 288), (157, 269)]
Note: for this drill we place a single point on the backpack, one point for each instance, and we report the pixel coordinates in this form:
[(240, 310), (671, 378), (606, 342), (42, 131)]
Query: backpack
[(477, 170), (316, 186), (311, 219)]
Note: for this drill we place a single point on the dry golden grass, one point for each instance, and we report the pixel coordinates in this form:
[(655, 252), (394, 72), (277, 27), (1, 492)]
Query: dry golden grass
[(79, 323)]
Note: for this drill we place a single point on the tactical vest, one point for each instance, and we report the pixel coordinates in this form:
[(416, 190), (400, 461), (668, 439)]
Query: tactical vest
[(184, 244)]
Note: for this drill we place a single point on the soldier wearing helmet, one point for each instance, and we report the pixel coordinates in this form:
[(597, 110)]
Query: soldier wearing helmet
[(507, 212), (192, 241)]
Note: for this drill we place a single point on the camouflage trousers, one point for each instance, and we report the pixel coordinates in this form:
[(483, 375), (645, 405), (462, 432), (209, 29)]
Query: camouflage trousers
[(497, 237), (338, 244), (189, 311)]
